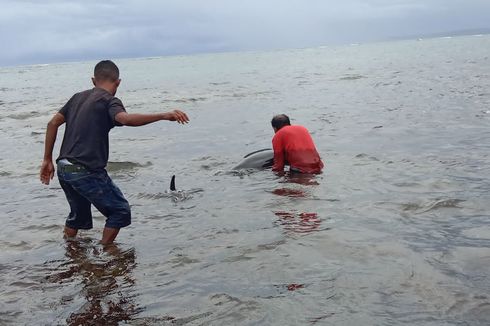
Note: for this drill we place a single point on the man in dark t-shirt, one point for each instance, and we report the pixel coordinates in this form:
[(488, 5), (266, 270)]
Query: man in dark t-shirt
[(293, 144), (89, 116)]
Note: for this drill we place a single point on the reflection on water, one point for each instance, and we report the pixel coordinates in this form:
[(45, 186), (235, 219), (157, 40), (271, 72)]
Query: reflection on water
[(304, 179), (288, 192), (298, 222), (294, 221), (299, 179), (294, 286), (105, 274)]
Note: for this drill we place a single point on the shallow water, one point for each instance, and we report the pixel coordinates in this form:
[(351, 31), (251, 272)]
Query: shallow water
[(394, 232)]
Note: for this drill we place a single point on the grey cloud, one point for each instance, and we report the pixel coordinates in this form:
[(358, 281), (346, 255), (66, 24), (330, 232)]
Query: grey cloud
[(56, 30)]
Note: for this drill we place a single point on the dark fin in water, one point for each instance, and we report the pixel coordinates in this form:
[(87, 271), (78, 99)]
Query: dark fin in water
[(172, 184)]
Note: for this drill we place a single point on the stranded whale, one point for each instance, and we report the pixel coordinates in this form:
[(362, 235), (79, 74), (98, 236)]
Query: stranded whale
[(179, 195), (261, 159), (172, 184)]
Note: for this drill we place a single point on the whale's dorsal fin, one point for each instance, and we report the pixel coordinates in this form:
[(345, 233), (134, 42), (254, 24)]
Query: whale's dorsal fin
[(172, 184)]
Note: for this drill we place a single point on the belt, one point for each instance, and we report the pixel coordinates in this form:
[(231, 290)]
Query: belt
[(70, 168)]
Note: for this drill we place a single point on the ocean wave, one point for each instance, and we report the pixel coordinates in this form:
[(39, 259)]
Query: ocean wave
[(432, 205), (24, 115), (126, 165)]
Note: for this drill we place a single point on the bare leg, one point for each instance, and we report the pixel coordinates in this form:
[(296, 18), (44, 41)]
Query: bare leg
[(109, 235), (70, 233)]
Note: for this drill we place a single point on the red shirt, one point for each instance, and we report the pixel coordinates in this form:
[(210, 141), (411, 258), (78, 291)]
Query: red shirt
[(294, 145)]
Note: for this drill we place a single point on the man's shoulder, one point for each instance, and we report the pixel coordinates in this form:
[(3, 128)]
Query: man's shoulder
[(100, 95), (292, 129), (298, 127), (84, 93), (80, 96), (299, 130), (89, 97)]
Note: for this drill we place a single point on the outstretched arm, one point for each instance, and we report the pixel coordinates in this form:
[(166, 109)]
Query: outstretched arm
[(47, 167), (141, 119)]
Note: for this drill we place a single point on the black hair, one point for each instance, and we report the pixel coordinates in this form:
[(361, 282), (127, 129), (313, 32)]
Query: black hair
[(280, 121), (106, 70)]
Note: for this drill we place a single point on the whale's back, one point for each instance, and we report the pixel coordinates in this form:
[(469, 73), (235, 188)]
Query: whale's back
[(261, 159)]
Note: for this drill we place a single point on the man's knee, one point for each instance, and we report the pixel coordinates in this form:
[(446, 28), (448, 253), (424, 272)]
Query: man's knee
[(119, 217)]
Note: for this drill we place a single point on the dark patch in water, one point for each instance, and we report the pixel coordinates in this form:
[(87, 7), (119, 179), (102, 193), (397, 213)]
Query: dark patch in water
[(187, 100), (182, 260), (213, 162), (238, 258), (122, 166), (366, 156), (319, 319), (21, 245), (204, 158), (24, 116), (287, 192), (352, 77), (49, 227), (270, 246), (220, 83)]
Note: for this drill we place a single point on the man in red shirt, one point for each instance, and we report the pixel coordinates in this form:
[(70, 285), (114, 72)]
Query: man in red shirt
[(293, 145)]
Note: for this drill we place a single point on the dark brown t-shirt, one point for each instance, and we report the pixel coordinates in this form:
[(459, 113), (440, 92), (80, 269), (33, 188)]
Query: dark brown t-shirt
[(89, 116)]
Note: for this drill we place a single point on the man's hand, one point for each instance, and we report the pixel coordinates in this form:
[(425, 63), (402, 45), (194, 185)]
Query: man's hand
[(47, 168), (47, 171), (179, 116)]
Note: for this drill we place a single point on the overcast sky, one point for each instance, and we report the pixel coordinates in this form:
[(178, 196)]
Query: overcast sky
[(45, 31)]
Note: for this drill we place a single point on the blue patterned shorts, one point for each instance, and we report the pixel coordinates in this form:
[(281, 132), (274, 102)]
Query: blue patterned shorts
[(84, 188)]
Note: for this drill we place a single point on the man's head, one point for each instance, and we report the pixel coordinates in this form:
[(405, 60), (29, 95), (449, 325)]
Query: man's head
[(106, 76), (280, 121)]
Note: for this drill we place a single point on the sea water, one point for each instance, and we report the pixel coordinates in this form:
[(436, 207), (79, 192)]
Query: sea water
[(394, 232)]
